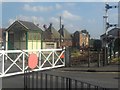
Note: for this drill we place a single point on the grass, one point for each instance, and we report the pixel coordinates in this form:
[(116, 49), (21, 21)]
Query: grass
[(75, 53)]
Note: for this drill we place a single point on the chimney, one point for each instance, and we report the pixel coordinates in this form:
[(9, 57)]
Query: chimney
[(62, 27), (62, 32), (50, 25), (37, 25), (45, 26)]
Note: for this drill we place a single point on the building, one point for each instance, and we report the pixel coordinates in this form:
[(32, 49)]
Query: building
[(81, 39), (111, 35), (109, 41), (67, 38), (51, 37), (23, 35)]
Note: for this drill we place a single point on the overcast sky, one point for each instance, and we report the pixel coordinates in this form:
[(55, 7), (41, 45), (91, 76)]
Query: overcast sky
[(76, 16)]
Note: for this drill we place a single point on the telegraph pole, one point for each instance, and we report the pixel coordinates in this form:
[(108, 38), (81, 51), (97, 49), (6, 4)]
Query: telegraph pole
[(60, 31)]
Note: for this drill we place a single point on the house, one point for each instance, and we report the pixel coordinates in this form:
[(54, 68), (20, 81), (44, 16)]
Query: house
[(81, 39), (23, 35), (67, 38), (51, 37)]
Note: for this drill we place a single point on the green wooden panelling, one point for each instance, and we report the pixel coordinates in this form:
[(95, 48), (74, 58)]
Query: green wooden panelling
[(26, 40)]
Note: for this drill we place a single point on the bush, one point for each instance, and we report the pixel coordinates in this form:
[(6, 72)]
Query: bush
[(115, 60)]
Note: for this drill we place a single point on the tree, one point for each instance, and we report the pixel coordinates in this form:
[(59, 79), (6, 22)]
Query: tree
[(97, 45)]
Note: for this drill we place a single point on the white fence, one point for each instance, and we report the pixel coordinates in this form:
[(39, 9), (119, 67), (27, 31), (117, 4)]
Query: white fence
[(13, 62)]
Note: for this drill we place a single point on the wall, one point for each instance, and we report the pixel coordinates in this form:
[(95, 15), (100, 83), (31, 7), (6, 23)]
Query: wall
[(66, 43)]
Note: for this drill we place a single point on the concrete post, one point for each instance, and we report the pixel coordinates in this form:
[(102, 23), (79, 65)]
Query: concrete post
[(98, 58), (67, 57)]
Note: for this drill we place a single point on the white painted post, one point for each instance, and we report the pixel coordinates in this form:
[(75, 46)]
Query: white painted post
[(53, 59), (23, 61), (6, 47), (3, 63), (40, 58), (6, 41)]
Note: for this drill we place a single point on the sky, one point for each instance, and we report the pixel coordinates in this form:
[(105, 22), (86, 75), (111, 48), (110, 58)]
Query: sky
[(119, 15), (76, 16)]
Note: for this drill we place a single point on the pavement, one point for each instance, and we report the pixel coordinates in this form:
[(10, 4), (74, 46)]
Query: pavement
[(85, 68)]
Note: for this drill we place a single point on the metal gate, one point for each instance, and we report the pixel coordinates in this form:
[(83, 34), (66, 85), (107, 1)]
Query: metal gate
[(44, 81), (13, 62)]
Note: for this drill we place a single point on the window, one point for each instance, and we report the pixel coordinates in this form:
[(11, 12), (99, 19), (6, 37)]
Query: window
[(50, 45)]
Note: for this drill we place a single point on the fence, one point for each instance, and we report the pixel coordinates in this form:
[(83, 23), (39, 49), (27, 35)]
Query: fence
[(13, 62), (42, 80)]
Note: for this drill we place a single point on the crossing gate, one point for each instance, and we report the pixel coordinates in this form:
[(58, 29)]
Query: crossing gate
[(13, 62)]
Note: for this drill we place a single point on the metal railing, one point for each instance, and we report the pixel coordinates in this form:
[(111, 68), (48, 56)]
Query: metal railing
[(13, 62), (42, 80)]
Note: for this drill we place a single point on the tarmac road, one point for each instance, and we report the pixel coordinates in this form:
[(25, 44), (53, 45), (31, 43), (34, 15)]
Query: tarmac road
[(103, 79)]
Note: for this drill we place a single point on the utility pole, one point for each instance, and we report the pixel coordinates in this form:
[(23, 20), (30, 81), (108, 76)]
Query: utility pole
[(60, 31)]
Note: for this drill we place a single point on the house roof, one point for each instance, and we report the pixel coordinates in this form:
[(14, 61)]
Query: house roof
[(51, 33), (113, 32), (82, 31), (65, 33), (27, 25)]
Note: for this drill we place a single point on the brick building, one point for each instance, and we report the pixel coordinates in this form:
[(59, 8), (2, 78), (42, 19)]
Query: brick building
[(81, 39)]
